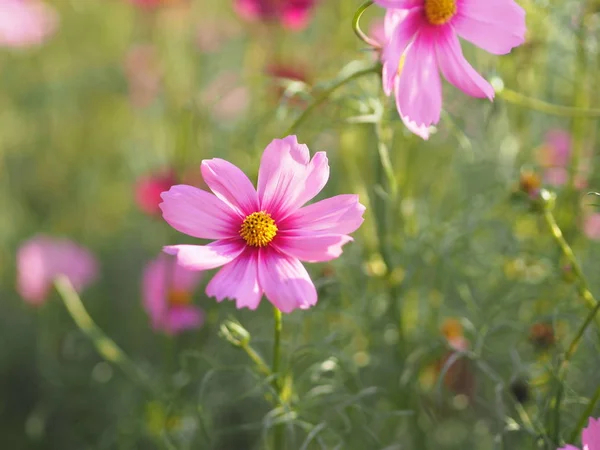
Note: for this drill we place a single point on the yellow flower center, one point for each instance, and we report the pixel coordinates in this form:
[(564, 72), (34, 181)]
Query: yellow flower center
[(179, 298), (258, 229), (439, 12)]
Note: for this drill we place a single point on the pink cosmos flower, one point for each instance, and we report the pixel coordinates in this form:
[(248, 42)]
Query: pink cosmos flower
[(293, 14), (261, 236), (26, 23), (167, 292), (422, 40), (149, 188), (590, 437), (41, 259)]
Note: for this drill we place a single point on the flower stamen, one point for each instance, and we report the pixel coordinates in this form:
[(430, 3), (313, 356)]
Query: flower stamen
[(258, 229), (179, 298), (439, 12)]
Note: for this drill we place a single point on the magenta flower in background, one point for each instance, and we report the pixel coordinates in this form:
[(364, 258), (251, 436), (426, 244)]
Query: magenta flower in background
[(590, 437), (42, 258), (26, 23), (292, 14), (167, 290), (262, 235), (422, 40), (148, 189)]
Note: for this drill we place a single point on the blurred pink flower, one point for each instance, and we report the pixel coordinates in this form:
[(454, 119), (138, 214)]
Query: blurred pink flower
[(422, 40), (167, 291), (590, 437), (292, 14), (554, 156), (143, 75), (26, 23), (213, 33), (42, 258), (226, 96), (148, 189), (591, 226), (262, 237)]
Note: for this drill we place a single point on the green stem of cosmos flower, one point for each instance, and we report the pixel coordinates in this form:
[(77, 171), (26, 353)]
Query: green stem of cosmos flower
[(517, 98), (356, 25), (326, 94), (278, 437), (585, 415), (105, 346), (586, 294)]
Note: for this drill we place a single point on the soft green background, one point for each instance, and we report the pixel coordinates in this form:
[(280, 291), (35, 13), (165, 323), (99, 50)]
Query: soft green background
[(457, 243)]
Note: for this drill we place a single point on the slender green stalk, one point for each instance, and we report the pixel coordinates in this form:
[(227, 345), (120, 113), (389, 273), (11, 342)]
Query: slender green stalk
[(261, 366), (326, 94), (585, 293), (278, 437), (356, 25), (519, 99), (105, 346), (585, 415)]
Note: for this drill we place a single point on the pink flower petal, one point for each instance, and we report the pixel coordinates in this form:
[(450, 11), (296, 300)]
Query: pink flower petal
[(26, 23), (419, 93), (231, 185), (285, 281), (42, 258), (496, 26), (182, 318), (590, 436), (310, 248), (198, 213), (288, 178), (568, 447), (591, 226), (296, 17), (456, 69), (400, 29), (341, 214), (238, 280), (204, 257)]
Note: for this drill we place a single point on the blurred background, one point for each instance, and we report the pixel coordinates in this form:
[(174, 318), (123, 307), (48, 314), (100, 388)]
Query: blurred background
[(106, 103)]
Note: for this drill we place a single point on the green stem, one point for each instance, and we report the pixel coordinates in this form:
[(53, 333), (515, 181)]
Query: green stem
[(278, 437), (105, 346), (585, 293), (585, 415), (326, 94), (261, 366), (517, 98), (356, 25)]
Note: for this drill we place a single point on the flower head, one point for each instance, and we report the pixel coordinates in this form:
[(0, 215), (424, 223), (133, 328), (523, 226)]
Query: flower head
[(26, 23), (590, 437), (167, 289), (41, 259), (293, 14), (422, 40), (262, 235), (148, 189)]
